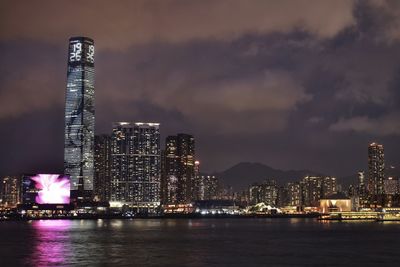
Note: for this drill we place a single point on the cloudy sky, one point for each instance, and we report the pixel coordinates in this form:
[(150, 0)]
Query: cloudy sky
[(292, 84)]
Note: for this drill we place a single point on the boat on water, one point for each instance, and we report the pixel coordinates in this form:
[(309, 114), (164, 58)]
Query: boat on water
[(350, 215), (389, 214)]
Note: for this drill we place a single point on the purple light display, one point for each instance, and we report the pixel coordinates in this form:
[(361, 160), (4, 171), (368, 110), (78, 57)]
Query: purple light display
[(51, 188)]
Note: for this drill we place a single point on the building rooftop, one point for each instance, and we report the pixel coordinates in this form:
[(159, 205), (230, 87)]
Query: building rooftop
[(336, 196)]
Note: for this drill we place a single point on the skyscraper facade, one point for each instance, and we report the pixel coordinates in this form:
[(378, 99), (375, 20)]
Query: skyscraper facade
[(170, 173), (376, 173), (198, 188), (79, 117), (135, 165), (362, 193), (266, 192), (294, 194), (313, 188), (180, 168), (211, 187), (102, 167), (10, 191)]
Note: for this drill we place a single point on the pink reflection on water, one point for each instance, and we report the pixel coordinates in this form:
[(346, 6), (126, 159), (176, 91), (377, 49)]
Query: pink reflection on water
[(53, 246)]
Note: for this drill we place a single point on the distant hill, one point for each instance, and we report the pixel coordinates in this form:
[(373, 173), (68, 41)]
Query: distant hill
[(244, 174)]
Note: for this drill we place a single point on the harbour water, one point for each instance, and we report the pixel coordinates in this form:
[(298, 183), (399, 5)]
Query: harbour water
[(199, 242)]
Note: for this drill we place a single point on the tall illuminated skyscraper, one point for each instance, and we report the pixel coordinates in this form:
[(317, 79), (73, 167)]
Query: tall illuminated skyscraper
[(79, 117), (376, 173)]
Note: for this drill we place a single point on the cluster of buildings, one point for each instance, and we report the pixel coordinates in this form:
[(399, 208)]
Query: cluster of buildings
[(375, 189), (129, 169), (132, 170), (297, 196), (379, 187)]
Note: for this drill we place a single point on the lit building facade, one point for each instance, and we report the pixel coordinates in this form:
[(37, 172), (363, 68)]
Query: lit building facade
[(361, 191), (329, 186), (170, 171), (266, 193), (10, 191), (310, 191), (180, 169), (198, 190), (135, 165), (335, 203), (294, 194), (102, 167), (211, 187), (391, 185), (376, 174), (313, 188), (79, 117)]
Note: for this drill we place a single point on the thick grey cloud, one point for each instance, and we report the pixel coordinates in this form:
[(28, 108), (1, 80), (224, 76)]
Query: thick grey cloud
[(294, 84), (120, 24), (389, 124)]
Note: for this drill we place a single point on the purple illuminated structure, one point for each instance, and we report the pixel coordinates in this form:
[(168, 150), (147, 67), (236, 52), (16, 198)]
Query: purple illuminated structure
[(48, 188)]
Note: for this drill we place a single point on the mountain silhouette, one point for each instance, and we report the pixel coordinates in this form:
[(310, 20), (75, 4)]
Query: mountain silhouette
[(243, 174)]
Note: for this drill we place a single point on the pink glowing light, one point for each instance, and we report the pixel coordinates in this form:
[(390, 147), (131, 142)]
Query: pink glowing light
[(53, 189)]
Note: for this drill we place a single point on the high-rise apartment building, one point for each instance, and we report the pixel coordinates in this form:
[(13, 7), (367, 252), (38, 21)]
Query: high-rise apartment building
[(391, 185), (79, 117), (198, 189), (179, 168), (361, 191), (211, 187), (329, 186), (376, 174), (311, 191), (102, 167), (170, 171), (266, 192), (10, 191), (294, 194), (313, 188), (135, 165)]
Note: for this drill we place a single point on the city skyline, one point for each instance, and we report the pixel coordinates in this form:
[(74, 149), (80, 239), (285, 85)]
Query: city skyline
[(306, 97), (199, 133)]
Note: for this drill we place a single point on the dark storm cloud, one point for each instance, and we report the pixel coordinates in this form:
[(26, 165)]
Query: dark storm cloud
[(120, 24), (294, 84), (30, 75)]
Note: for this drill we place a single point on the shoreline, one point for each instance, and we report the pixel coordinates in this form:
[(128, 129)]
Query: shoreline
[(169, 216)]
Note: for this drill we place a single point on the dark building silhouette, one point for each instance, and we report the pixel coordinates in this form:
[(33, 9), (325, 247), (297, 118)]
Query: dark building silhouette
[(102, 167), (179, 179)]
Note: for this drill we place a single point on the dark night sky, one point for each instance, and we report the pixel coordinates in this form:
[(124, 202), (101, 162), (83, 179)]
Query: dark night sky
[(292, 84)]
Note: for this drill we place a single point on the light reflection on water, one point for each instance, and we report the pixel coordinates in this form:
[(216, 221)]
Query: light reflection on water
[(52, 242), (197, 242)]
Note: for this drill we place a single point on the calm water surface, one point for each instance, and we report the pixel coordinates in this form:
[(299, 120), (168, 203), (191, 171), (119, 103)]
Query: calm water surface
[(199, 242)]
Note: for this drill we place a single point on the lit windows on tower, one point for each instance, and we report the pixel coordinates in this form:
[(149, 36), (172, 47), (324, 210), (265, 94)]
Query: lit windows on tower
[(135, 165), (79, 117)]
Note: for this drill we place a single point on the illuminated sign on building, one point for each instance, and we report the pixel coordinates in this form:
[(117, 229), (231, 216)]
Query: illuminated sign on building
[(46, 189)]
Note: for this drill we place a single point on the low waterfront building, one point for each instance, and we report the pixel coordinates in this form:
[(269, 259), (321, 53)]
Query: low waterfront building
[(335, 203)]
